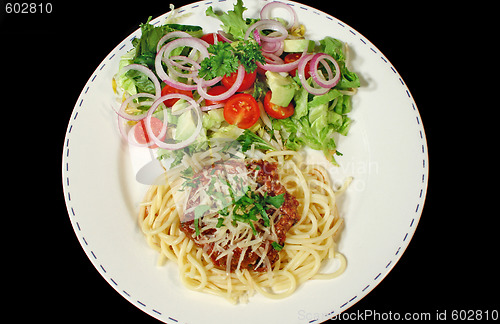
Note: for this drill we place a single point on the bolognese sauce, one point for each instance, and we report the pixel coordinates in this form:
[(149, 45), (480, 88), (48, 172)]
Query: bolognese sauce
[(239, 213)]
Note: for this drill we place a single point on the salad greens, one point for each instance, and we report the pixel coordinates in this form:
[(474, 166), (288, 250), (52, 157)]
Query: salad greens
[(232, 21), (318, 118), (315, 122)]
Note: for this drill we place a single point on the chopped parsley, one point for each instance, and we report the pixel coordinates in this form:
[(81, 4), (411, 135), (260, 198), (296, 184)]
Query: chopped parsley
[(278, 247)]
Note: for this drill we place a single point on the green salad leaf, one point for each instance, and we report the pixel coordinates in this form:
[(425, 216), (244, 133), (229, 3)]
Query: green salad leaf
[(232, 21)]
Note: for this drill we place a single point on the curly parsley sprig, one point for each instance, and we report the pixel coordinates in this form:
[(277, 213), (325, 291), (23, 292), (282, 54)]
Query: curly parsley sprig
[(227, 57)]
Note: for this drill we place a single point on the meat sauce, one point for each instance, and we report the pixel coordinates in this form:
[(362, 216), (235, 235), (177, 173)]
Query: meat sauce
[(265, 175)]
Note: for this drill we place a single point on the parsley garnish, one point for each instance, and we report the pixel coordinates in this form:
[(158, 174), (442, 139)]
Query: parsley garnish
[(227, 57), (249, 52), (222, 63), (278, 247)]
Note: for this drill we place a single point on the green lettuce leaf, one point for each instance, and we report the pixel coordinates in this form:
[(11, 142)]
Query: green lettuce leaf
[(232, 21)]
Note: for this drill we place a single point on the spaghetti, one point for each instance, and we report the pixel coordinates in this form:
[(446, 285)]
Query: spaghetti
[(308, 246)]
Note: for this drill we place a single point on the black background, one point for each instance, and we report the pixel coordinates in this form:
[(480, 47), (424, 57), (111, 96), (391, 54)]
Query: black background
[(46, 59)]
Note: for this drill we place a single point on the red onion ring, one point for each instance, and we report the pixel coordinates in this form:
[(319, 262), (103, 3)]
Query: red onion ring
[(317, 77), (172, 64), (204, 83), (285, 67), (256, 36), (275, 48), (273, 59), (173, 146), (268, 24), (224, 36), (146, 71), (301, 73), (231, 91), (177, 33), (121, 112), (190, 42), (265, 13), (280, 67)]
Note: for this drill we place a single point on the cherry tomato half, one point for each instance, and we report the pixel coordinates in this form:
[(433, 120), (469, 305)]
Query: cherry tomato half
[(276, 111), (210, 38), (248, 80), (241, 110), (169, 90), (292, 57), (214, 91)]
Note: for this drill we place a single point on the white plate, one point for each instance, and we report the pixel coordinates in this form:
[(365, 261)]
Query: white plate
[(385, 152)]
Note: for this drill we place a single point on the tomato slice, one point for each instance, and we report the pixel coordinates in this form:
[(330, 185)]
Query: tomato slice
[(292, 57), (217, 90), (141, 135), (248, 80), (241, 110), (210, 38), (169, 90), (276, 111)]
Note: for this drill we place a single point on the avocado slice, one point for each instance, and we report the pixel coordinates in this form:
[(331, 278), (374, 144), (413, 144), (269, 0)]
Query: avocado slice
[(298, 45), (282, 87)]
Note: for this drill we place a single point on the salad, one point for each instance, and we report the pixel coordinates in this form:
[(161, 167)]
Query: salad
[(259, 81)]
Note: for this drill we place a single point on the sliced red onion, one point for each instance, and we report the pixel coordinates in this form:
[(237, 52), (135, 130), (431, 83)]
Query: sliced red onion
[(146, 71), (231, 91), (207, 83), (173, 146), (275, 48), (172, 65), (174, 34), (318, 77), (121, 112), (165, 77), (280, 67), (256, 36), (273, 59), (265, 13), (165, 50), (184, 60), (268, 24), (225, 37), (301, 73), (285, 67)]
